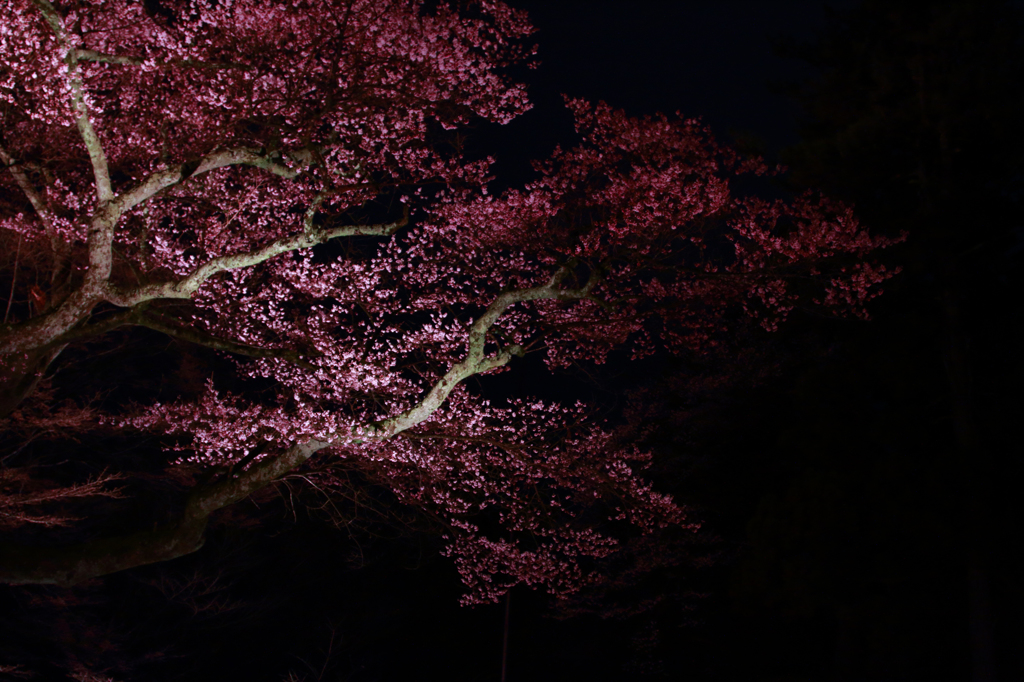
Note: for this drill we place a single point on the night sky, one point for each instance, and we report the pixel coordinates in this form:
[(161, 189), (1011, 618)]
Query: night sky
[(833, 494), (712, 61)]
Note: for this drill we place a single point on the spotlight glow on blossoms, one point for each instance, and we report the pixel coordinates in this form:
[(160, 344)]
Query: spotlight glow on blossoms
[(175, 169)]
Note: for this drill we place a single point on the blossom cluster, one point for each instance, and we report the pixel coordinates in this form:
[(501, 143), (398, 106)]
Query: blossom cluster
[(231, 172)]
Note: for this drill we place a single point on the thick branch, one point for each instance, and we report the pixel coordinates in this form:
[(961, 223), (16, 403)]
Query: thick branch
[(138, 317), (122, 318), (475, 361), (42, 330), (68, 565), (104, 189), (184, 288), (241, 156), (84, 55), (219, 495), (71, 564)]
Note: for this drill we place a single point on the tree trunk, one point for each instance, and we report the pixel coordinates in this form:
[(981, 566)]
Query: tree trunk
[(71, 564), (975, 465)]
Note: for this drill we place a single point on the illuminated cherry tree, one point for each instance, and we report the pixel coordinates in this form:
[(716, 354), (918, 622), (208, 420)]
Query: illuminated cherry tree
[(173, 165)]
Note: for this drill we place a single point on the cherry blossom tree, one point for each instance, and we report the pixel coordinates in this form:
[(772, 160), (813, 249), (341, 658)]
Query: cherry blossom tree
[(192, 167)]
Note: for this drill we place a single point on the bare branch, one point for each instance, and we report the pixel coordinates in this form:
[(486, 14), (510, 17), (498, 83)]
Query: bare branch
[(16, 508), (16, 671)]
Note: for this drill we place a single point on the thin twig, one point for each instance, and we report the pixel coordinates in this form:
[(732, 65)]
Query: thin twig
[(14, 278)]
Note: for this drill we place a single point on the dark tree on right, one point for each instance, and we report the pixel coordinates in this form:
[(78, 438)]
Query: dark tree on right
[(909, 472)]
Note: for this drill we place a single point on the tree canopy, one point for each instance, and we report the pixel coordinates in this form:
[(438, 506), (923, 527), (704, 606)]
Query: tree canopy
[(285, 183)]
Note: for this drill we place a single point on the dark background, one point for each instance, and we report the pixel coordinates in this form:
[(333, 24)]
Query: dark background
[(858, 481), (712, 60)]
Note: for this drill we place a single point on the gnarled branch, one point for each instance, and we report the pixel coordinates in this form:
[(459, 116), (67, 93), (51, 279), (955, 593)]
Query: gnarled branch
[(98, 157), (42, 330), (187, 286), (68, 565)]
